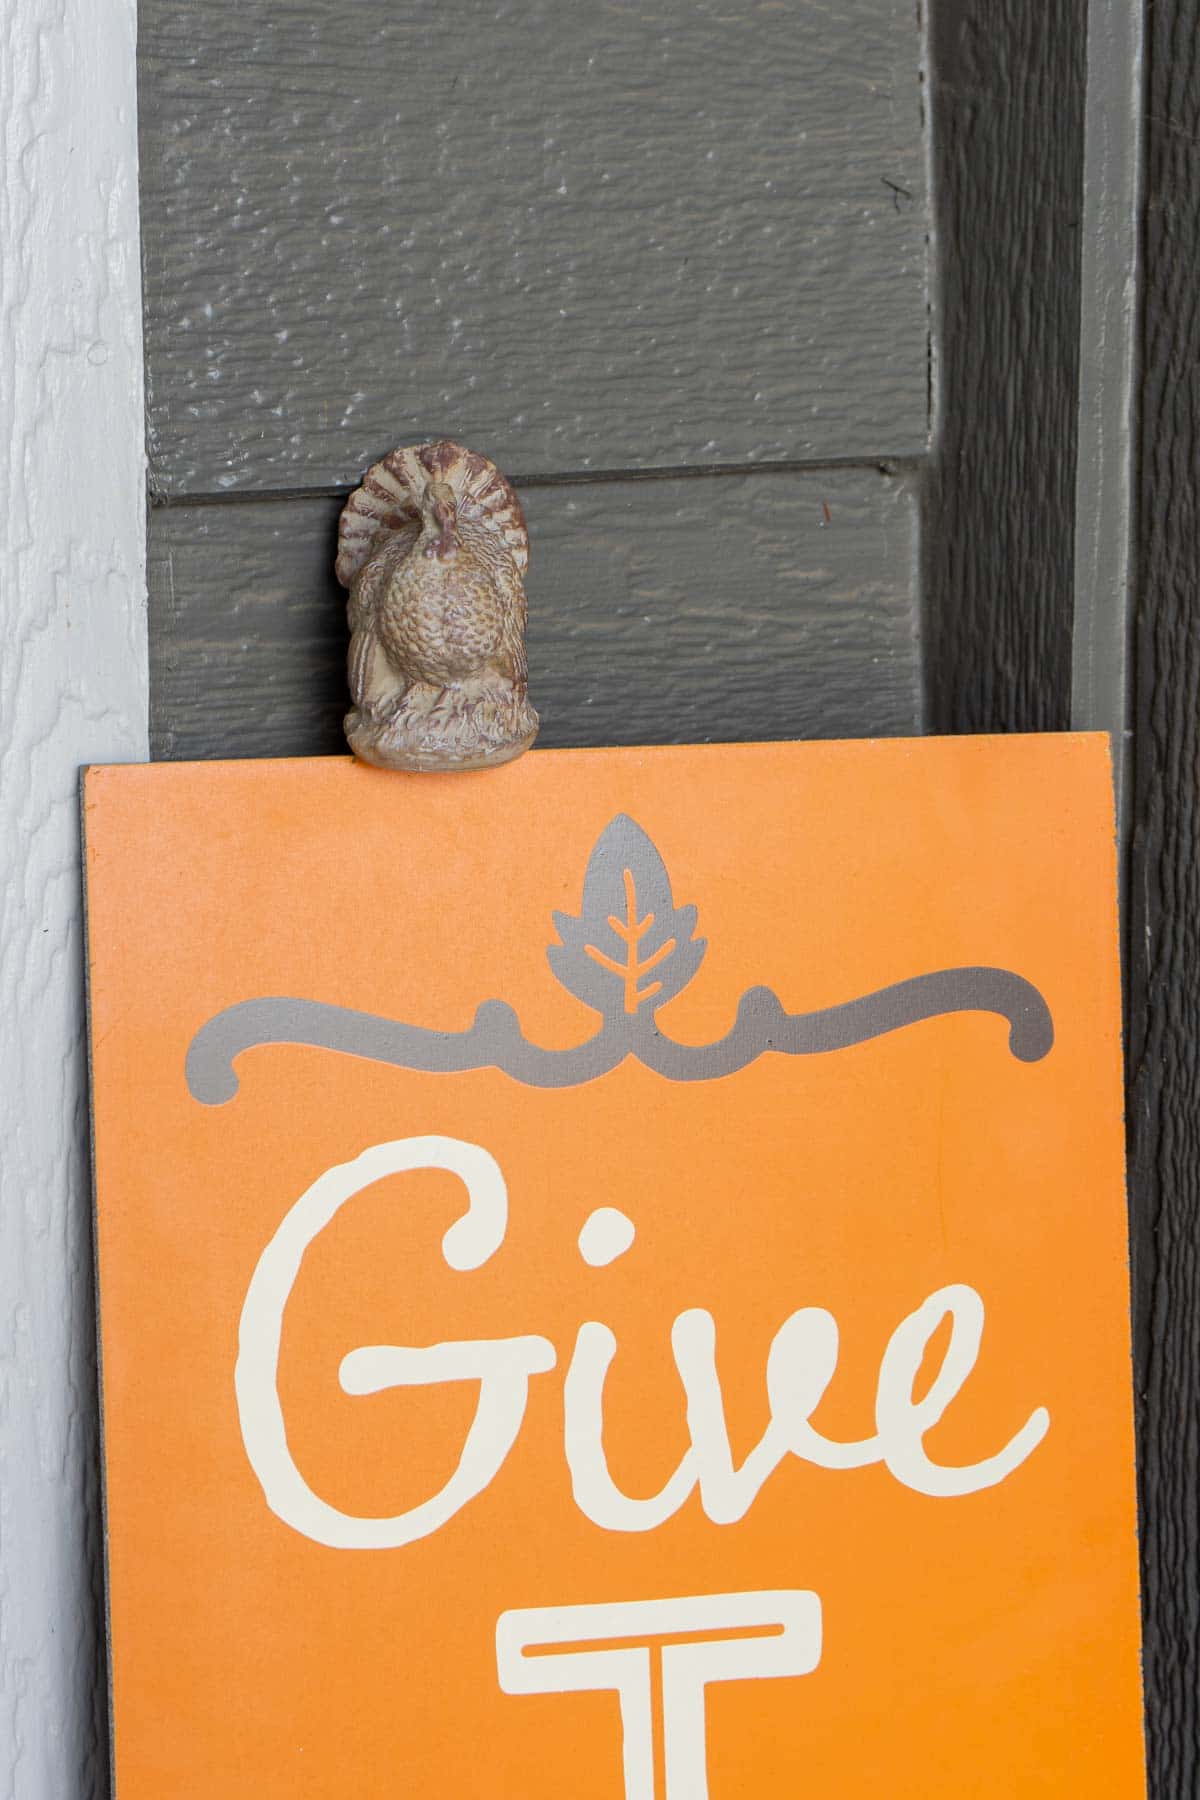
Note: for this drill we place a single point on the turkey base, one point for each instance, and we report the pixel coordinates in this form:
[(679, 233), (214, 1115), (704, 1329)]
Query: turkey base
[(473, 724)]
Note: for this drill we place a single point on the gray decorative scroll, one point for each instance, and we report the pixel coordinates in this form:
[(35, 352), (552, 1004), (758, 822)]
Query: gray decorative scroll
[(626, 953)]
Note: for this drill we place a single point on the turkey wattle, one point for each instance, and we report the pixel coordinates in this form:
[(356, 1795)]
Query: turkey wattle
[(433, 548)]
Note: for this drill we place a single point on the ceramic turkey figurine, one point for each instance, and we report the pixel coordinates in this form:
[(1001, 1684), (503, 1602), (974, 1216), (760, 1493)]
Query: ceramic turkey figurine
[(433, 548)]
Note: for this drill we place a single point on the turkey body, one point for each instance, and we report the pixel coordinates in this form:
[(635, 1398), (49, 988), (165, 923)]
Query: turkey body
[(441, 617)]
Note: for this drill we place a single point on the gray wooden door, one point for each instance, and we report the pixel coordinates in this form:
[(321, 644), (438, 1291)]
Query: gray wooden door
[(666, 264)]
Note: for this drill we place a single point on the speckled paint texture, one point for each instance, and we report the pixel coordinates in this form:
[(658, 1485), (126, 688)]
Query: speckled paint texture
[(591, 237), (72, 690)]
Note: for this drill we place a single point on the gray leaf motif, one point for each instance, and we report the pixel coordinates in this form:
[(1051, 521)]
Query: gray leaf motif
[(630, 949)]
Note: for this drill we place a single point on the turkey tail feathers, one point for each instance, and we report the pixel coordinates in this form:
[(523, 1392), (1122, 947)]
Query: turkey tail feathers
[(386, 502), (390, 498), (483, 491)]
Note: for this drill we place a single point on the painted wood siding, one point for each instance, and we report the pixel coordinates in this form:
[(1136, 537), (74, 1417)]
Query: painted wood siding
[(606, 236), (1164, 905), (660, 612), (684, 238)]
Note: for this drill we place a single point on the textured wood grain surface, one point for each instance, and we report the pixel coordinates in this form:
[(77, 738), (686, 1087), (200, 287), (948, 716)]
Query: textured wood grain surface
[(1106, 454), (72, 690), (1007, 98), (1164, 938), (772, 605), (578, 237)]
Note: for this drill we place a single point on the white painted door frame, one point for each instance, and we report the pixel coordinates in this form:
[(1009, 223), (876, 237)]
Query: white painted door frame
[(73, 689)]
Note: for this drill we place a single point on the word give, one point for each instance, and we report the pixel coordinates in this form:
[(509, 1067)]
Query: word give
[(800, 1365)]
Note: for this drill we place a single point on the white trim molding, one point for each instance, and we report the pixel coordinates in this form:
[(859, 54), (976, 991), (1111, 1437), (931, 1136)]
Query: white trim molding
[(1105, 468), (73, 689)]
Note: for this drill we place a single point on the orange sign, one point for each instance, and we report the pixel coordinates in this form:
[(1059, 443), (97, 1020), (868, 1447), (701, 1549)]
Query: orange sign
[(613, 1276)]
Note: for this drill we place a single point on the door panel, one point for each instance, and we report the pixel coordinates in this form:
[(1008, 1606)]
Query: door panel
[(579, 237), (687, 237), (661, 611)]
